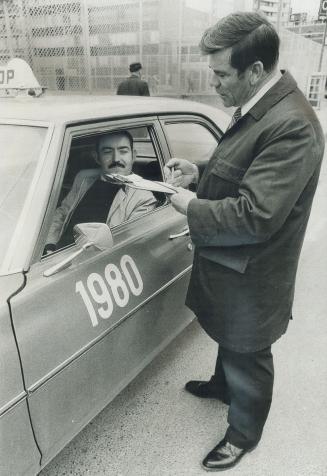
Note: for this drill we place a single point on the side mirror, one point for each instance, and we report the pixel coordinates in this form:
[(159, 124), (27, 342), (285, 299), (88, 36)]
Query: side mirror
[(86, 235), (93, 234)]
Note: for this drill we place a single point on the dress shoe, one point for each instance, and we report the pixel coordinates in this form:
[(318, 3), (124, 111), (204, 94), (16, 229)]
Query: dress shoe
[(223, 456), (203, 389)]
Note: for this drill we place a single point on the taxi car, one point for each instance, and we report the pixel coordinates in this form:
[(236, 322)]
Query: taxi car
[(77, 325)]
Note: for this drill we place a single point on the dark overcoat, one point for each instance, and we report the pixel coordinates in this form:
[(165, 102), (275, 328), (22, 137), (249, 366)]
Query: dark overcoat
[(249, 220), (133, 86)]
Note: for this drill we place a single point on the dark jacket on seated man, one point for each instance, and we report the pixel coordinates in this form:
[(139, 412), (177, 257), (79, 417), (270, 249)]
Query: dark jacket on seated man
[(124, 204)]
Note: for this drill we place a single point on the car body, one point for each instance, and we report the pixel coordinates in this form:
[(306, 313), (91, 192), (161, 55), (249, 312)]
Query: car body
[(71, 340)]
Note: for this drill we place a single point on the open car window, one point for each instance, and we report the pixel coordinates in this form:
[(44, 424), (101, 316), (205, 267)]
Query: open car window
[(87, 196), (191, 141)]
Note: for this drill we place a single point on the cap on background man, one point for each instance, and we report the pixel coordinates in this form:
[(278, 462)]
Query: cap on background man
[(135, 67)]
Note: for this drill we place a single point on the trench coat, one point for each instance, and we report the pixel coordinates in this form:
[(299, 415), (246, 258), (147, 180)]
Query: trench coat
[(133, 86), (249, 218)]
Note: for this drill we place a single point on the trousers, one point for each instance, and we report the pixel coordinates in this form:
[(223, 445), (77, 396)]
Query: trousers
[(246, 380)]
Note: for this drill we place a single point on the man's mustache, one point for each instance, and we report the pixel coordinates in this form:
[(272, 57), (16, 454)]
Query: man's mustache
[(116, 164)]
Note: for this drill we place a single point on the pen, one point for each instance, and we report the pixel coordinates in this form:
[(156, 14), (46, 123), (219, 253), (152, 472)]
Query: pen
[(172, 173)]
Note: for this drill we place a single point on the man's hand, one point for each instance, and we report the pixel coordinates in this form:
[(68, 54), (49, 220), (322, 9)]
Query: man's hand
[(49, 248), (181, 173), (181, 199)]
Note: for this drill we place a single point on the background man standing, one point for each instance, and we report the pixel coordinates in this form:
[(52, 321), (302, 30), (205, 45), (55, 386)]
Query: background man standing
[(248, 221), (134, 85)]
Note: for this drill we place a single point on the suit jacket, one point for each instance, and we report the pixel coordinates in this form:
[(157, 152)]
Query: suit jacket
[(127, 204), (249, 220), (133, 86)]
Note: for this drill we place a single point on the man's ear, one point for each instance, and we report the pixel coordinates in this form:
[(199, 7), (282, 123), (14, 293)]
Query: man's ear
[(134, 154), (95, 157), (257, 71)]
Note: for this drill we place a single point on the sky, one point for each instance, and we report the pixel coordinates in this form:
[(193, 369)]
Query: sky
[(199, 4), (310, 6)]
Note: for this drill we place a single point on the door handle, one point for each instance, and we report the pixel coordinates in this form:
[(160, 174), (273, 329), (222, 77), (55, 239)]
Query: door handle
[(185, 232)]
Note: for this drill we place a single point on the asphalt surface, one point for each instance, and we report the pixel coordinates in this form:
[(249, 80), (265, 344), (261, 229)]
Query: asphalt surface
[(154, 428)]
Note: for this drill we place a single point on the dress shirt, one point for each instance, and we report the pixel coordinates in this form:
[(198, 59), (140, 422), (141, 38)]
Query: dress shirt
[(265, 88)]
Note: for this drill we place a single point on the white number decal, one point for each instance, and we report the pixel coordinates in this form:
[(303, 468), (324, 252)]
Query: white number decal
[(118, 288), (100, 295), (117, 285), (87, 301), (136, 287)]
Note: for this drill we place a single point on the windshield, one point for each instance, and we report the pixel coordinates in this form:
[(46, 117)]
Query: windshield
[(20, 148)]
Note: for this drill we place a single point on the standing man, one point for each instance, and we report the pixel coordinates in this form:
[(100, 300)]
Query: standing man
[(247, 222), (134, 85)]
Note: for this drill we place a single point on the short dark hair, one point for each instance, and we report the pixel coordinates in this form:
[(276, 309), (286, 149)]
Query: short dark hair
[(133, 67), (251, 37), (115, 133)]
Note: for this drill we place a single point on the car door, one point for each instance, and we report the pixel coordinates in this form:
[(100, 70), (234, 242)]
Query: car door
[(86, 331), (24, 145), (19, 454)]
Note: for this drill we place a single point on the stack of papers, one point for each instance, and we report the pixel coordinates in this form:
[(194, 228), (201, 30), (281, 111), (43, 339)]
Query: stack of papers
[(135, 181)]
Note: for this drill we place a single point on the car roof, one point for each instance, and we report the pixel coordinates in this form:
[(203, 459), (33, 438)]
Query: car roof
[(68, 109)]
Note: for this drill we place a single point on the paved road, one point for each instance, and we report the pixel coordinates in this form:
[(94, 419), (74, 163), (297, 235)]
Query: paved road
[(154, 428)]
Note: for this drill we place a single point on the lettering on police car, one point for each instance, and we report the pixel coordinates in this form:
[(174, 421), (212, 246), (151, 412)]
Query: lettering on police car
[(115, 288), (6, 75)]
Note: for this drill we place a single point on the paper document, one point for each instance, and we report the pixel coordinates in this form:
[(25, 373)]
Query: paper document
[(135, 181)]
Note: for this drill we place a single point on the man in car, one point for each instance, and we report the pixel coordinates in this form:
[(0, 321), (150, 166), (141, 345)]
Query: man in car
[(134, 85), (247, 222), (93, 199)]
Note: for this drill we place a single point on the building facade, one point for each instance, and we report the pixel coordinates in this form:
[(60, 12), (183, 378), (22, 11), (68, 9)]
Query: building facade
[(89, 44), (277, 11)]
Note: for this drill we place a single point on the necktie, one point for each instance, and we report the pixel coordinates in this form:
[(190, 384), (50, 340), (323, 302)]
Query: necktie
[(236, 117)]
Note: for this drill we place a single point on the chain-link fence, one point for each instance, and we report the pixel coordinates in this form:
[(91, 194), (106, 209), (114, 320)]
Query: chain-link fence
[(87, 45)]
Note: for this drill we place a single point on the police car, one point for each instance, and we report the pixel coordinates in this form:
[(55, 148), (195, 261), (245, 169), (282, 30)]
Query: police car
[(77, 325)]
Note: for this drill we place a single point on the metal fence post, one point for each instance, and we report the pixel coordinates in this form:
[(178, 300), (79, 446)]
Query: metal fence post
[(87, 50), (179, 47), (8, 30), (279, 15), (141, 30)]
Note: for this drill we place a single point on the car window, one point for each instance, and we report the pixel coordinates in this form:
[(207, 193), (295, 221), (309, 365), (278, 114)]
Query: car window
[(20, 151), (190, 141), (87, 195)]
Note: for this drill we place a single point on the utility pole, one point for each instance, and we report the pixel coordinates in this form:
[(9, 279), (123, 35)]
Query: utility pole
[(279, 15), (213, 12), (322, 47)]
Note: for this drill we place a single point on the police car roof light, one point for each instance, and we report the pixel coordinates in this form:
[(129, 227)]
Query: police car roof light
[(16, 77)]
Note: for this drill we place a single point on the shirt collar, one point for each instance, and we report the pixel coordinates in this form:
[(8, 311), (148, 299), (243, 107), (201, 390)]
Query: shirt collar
[(265, 88)]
